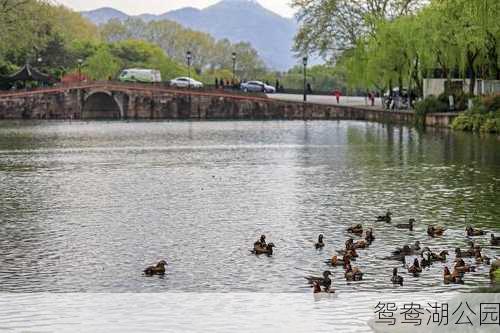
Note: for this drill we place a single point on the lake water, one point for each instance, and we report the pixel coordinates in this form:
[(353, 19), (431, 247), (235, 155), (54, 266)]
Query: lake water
[(85, 206)]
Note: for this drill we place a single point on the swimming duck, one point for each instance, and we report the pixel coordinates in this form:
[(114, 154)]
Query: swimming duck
[(357, 229), (464, 254), (261, 242), (349, 252), (324, 281), (495, 240), (369, 237), (353, 274), (336, 261), (426, 259), (158, 269), (408, 250), (319, 244), (480, 258), (268, 249), (452, 278), (385, 218), (474, 232), (415, 268), (435, 231), (396, 279), (441, 256), (360, 244), (462, 267), (408, 226)]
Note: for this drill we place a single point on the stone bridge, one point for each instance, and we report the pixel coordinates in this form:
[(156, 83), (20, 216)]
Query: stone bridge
[(111, 100)]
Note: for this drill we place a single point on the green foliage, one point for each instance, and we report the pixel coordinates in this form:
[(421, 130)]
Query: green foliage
[(208, 54), (399, 49), (102, 65), (429, 105), (484, 117)]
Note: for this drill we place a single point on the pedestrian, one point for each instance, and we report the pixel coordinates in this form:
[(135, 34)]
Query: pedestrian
[(216, 83), (309, 88), (372, 97), (337, 96), (221, 83), (277, 86)]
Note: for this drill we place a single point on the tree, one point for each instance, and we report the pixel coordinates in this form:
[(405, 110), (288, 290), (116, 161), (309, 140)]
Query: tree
[(332, 26), (102, 65)]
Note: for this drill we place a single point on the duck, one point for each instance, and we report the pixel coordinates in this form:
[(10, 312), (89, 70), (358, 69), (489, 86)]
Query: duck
[(319, 244), (448, 277), (261, 242), (158, 269), (426, 259), (415, 268), (385, 218), (464, 254), (353, 274), (435, 231), (495, 240), (441, 256), (462, 267), (470, 231), (268, 249), (361, 244), (357, 229), (336, 261), (324, 281), (369, 237), (408, 225), (480, 258), (396, 279), (349, 252), (408, 250)]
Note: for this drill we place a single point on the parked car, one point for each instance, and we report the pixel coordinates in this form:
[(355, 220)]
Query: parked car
[(185, 82), (257, 86), (140, 75)]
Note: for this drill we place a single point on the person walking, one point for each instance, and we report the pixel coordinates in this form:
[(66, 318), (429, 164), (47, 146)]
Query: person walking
[(277, 86), (337, 96), (216, 83)]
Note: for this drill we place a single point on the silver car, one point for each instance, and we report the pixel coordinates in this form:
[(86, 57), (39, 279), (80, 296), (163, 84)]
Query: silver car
[(184, 82), (257, 86)]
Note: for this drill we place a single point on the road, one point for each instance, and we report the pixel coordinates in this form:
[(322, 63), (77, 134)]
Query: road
[(324, 99)]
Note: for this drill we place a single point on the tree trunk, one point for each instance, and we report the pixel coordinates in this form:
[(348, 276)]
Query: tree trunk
[(471, 57)]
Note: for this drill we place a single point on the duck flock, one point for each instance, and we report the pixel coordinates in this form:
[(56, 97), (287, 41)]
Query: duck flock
[(345, 257)]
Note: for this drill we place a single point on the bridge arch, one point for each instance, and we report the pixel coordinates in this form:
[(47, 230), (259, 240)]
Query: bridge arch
[(102, 104)]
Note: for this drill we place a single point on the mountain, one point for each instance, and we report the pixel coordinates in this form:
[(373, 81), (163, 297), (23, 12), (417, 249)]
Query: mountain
[(103, 15), (237, 20)]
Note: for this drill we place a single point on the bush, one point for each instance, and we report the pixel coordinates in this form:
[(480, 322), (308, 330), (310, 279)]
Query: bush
[(482, 118), (429, 105), (492, 103), (460, 100)]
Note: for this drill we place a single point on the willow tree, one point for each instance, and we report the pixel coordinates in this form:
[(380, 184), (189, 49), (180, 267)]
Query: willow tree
[(329, 27)]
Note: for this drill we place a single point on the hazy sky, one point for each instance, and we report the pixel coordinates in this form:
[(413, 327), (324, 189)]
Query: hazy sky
[(160, 6)]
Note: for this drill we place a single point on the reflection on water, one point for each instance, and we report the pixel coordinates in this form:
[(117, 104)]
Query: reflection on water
[(86, 206)]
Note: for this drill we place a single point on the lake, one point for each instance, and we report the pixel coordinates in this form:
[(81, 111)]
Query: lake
[(86, 206)]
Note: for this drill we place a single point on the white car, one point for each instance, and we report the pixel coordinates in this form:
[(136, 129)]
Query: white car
[(185, 82), (257, 86)]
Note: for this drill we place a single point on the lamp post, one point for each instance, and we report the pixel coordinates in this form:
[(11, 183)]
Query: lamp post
[(80, 62), (189, 56), (304, 62), (234, 65)]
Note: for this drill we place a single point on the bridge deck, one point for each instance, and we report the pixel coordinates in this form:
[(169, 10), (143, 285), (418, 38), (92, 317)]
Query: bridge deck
[(146, 88)]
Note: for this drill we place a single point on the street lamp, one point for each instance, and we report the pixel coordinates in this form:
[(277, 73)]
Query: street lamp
[(80, 62), (304, 62), (189, 56), (234, 65)]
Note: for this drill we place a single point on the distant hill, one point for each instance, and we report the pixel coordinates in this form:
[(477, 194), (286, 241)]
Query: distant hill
[(237, 20)]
